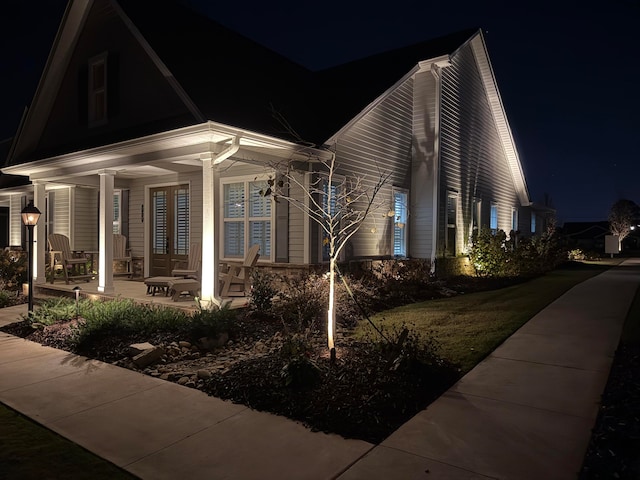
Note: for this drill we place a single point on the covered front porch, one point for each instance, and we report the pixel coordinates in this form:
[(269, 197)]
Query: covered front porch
[(162, 192), (134, 289)]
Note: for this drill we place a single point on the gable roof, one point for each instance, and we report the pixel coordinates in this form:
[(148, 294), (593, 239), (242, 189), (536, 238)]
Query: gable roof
[(227, 78), (224, 77)]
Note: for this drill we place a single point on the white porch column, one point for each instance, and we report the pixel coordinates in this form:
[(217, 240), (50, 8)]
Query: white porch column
[(40, 242), (209, 288), (105, 230)]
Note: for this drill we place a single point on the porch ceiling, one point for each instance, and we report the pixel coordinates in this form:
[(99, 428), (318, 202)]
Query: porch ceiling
[(160, 154)]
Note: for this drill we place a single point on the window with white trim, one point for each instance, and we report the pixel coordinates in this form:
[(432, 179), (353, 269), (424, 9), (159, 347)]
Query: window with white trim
[(533, 223), (514, 219), (329, 203), (97, 90), (452, 223), (400, 216), (493, 219), (247, 217), (476, 214)]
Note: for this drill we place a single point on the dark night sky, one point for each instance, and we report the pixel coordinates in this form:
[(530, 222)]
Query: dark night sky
[(568, 73)]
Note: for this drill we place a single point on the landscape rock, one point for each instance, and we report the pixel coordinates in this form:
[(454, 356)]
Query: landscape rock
[(137, 348), (148, 357)]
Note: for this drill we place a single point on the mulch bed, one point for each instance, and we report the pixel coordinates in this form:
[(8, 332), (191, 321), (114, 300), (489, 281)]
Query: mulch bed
[(614, 450)]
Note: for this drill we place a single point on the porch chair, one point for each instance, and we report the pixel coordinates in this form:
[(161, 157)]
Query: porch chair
[(74, 267), (120, 253), (190, 268), (236, 280)]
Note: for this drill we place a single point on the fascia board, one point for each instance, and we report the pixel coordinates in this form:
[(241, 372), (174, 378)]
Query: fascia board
[(57, 62), (479, 49)]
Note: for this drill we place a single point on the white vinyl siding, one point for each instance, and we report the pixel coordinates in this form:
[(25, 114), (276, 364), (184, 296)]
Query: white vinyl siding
[(473, 160), (15, 221), (296, 227), (424, 165), (85, 219), (378, 141)]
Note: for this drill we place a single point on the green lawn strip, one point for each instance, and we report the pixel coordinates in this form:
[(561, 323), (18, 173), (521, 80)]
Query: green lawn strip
[(29, 450), (469, 327)]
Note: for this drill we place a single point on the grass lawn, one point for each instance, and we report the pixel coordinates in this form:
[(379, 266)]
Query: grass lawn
[(28, 450), (469, 327)]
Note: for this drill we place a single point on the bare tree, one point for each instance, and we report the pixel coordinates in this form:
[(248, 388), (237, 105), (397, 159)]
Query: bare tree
[(337, 204), (622, 217)]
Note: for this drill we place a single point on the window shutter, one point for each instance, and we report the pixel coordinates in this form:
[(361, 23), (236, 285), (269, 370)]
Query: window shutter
[(181, 219), (83, 95), (113, 85), (124, 214)]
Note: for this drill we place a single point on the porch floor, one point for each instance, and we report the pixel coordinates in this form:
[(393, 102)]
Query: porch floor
[(134, 289)]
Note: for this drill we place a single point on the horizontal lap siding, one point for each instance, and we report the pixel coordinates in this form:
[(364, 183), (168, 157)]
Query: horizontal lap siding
[(296, 226), (472, 158), (85, 218), (15, 221), (379, 141), (424, 166), (60, 209)]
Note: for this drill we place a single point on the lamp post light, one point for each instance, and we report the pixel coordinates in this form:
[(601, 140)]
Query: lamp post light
[(30, 217), (76, 290)]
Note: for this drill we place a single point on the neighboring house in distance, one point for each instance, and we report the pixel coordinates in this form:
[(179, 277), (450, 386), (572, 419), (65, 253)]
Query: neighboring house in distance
[(158, 123), (587, 236)]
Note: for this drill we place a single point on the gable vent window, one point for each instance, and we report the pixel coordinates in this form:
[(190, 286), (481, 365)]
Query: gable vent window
[(97, 89)]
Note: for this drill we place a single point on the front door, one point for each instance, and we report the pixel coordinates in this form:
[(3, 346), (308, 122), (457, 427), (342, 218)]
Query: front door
[(169, 228)]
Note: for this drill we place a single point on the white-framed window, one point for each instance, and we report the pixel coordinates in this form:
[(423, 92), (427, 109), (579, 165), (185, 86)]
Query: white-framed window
[(476, 214), (514, 219), (330, 204), (452, 222), (247, 216), (117, 211), (533, 223), (400, 217), (493, 218), (97, 90)]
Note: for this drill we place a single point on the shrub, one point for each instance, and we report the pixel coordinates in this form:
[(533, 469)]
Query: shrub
[(262, 291), (576, 255), (54, 310), (299, 371), (13, 269), (5, 298), (301, 301), (211, 322), (123, 317), (489, 254)]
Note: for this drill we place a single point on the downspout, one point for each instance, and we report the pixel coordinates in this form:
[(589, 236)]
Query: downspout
[(435, 70), (232, 149)]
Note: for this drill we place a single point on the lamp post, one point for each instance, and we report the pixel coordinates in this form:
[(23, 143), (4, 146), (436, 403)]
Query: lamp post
[(76, 290), (30, 217)]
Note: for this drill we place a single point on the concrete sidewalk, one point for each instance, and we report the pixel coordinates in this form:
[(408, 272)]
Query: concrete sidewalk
[(525, 412)]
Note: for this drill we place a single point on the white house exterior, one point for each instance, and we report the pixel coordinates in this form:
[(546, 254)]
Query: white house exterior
[(154, 122)]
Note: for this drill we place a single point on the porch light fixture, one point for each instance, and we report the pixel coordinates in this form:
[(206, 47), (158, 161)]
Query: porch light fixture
[(30, 217)]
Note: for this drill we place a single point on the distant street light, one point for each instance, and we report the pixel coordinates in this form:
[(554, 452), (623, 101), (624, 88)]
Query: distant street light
[(30, 217)]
